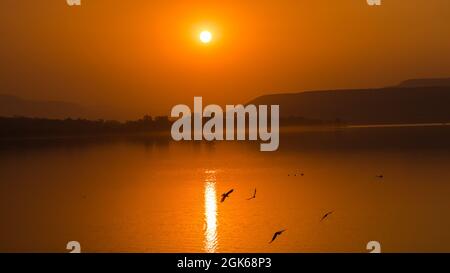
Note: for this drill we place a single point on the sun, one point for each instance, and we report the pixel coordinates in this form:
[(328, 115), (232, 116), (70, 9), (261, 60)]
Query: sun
[(205, 37)]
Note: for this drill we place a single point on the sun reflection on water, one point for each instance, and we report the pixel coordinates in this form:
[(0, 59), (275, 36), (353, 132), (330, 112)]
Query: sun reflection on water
[(211, 240)]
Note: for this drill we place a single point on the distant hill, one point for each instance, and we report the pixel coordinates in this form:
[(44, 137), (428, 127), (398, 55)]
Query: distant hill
[(15, 106), (445, 82), (413, 101)]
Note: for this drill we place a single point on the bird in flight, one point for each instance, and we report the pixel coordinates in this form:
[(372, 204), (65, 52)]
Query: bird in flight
[(226, 195), (379, 176), (254, 195), (276, 234), (326, 215)]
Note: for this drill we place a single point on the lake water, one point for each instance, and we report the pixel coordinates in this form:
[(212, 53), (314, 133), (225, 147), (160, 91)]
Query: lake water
[(154, 195)]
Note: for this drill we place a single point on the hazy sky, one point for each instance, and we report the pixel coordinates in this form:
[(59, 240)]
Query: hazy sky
[(138, 57)]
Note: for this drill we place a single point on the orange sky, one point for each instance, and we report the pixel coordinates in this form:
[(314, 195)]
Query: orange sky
[(129, 58)]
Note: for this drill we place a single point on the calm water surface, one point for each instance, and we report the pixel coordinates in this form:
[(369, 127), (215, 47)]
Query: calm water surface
[(144, 195)]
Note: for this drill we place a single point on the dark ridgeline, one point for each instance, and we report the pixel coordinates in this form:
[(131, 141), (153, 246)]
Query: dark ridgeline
[(413, 101), (444, 82)]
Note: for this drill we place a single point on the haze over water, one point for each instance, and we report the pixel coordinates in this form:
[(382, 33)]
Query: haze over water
[(153, 195)]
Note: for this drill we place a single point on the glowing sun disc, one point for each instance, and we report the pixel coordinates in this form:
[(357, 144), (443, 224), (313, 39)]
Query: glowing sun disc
[(205, 37)]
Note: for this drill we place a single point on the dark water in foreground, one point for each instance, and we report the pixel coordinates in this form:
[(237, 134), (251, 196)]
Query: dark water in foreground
[(154, 195)]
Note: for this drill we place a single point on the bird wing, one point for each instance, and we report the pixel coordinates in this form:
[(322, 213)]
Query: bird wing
[(274, 237), (223, 198), (326, 215), (252, 197), (230, 191)]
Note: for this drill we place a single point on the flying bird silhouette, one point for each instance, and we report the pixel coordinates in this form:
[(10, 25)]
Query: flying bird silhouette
[(226, 195), (276, 234), (326, 215), (254, 195), (379, 176)]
